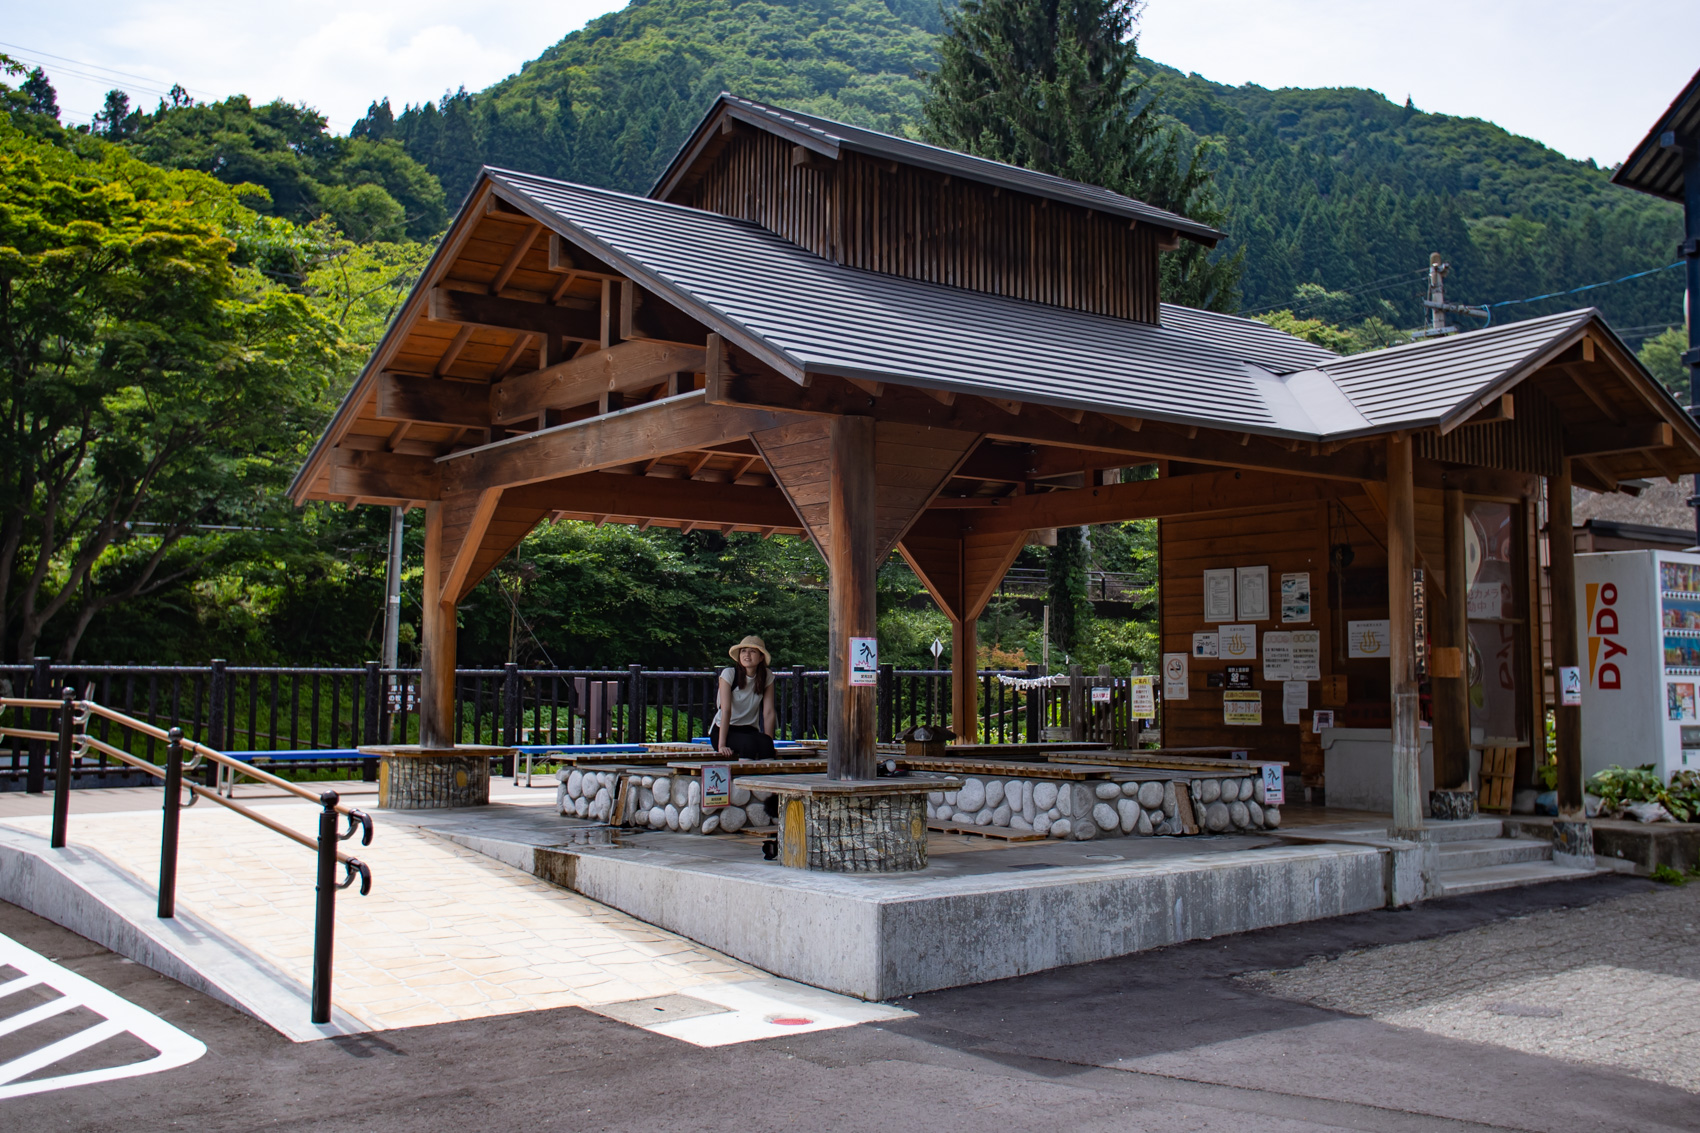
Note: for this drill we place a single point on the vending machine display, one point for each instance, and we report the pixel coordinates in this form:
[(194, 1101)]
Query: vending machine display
[(1639, 616)]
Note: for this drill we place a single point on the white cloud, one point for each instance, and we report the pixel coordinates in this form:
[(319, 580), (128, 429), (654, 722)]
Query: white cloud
[(1586, 78)]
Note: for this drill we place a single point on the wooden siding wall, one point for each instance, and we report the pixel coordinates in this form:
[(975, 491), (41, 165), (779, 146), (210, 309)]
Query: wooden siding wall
[(1286, 540), (1532, 442), (912, 223)]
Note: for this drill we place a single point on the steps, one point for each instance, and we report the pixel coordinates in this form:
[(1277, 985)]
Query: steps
[(1476, 856)]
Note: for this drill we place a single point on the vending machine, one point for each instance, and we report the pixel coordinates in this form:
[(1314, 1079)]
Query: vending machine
[(1638, 615)]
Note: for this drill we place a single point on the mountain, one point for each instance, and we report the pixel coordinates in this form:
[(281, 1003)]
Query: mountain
[(1336, 196)]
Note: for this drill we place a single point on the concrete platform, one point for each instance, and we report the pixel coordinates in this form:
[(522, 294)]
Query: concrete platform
[(969, 917)]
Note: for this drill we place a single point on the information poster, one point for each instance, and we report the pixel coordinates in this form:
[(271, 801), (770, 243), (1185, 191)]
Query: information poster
[(1274, 784), (1219, 595), (1242, 708), (1570, 686), (1295, 597), (716, 785), (1101, 693), (1239, 643), (1321, 719), (1369, 639), (1206, 645), (1307, 655), (1252, 583), (1239, 676), (1176, 682), (1143, 699), (1295, 698), (1278, 655), (864, 661)]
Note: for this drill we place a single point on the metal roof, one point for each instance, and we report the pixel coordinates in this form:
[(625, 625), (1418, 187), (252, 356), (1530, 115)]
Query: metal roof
[(1427, 382), (1655, 168), (805, 314), (829, 137)]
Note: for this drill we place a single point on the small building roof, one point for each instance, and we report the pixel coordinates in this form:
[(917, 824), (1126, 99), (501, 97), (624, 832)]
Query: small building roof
[(805, 315), (1654, 167), (827, 137)]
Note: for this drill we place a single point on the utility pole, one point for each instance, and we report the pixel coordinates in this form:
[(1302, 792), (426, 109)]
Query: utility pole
[(392, 590), (1689, 148), (1438, 307)]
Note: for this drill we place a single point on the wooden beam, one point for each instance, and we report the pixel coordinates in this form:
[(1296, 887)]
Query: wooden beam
[(1072, 416), (605, 493), (1451, 635), (645, 315), (644, 432), (622, 368), (1408, 805), (1154, 499), (384, 475), (1581, 382), (432, 401), (456, 345), (565, 258), (466, 516), (436, 642), (1566, 641), (851, 606), (832, 396), (471, 309), (1601, 441), (511, 264), (520, 343)]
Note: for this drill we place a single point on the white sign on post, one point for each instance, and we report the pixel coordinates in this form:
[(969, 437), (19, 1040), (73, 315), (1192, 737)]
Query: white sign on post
[(1570, 685), (1274, 785), (1175, 683), (864, 661), (1101, 694)]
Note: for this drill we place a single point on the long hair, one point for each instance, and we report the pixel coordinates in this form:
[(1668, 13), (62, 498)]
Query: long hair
[(762, 676)]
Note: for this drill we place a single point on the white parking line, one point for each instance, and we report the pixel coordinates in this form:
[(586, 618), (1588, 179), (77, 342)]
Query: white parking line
[(118, 1016)]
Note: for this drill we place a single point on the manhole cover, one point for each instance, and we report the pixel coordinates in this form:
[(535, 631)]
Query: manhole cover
[(658, 1009)]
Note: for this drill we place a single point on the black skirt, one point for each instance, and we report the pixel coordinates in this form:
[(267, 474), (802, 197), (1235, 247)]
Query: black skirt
[(748, 742)]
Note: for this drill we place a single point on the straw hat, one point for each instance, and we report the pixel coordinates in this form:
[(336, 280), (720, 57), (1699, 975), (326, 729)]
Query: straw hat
[(750, 642)]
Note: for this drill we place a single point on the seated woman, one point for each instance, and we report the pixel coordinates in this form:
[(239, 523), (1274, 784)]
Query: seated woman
[(743, 727)]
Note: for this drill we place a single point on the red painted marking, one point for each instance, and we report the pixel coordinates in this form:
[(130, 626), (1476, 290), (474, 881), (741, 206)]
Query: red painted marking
[(789, 1021)]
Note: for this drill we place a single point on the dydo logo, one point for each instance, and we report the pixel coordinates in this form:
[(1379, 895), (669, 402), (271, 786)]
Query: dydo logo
[(1603, 643)]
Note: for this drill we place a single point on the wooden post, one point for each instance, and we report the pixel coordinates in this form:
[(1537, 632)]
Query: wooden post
[(964, 680), (1076, 704), (437, 641), (1451, 633), (1401, 561), (1567, 722), (851, 718)]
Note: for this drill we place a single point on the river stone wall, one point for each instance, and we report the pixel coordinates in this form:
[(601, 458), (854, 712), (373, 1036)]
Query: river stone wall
[(659, 802), (1075, 810), (1102, 808)]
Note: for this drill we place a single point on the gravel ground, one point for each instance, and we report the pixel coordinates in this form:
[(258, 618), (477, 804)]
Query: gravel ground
[(1613, 985)]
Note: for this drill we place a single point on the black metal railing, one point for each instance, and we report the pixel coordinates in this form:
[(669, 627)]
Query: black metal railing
[(72, 742), (313, 719)]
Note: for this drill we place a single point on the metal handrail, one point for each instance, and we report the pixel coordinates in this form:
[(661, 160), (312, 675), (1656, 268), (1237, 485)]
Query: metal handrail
[(73, 741)]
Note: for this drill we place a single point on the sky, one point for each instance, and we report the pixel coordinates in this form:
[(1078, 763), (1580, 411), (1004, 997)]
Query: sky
[(1587, 78)]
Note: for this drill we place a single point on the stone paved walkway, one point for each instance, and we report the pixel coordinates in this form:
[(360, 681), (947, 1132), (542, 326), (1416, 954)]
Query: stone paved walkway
[(1614, 985), (445, 934)]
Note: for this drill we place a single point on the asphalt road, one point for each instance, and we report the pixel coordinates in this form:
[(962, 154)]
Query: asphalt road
[(1168, 1041)]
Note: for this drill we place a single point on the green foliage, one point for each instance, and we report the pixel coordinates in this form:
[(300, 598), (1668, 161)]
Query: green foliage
[(153, 383), (1662, 355), (1668, 876), (1618, 785), (1065, 579), (368, 189), (611, 103), (1372, 333), (1054, 87)]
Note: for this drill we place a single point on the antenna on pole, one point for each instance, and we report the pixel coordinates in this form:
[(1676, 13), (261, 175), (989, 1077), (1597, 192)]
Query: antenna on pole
[(1438, 307)]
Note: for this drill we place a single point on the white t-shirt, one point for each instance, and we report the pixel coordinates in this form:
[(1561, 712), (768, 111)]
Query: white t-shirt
[(746, 701)]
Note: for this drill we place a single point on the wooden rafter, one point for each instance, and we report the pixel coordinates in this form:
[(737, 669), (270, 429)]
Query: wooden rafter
[(511, 264), (624, 368)]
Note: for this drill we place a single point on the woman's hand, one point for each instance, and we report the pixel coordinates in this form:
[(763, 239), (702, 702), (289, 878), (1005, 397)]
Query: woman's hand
[(724, 750)]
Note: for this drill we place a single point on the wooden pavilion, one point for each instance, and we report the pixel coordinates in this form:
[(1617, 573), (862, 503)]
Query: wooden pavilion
[(812, 328)]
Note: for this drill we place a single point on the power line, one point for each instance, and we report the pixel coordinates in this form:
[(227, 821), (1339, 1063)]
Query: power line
[(1579, 290)]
